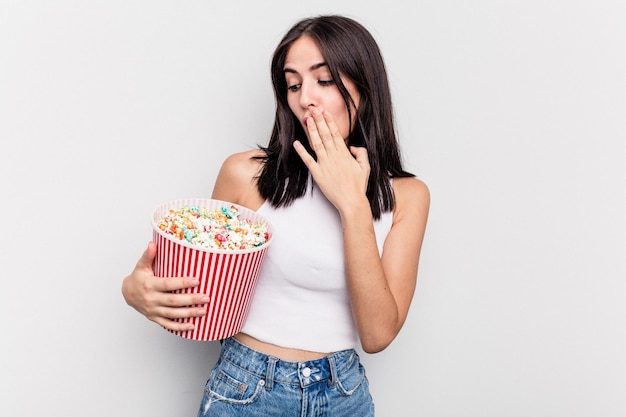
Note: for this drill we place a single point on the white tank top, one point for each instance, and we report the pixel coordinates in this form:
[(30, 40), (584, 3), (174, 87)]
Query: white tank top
[(301, 300)]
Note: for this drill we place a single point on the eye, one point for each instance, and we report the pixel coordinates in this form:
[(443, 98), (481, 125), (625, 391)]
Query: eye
[(326, 83), (294, 87)]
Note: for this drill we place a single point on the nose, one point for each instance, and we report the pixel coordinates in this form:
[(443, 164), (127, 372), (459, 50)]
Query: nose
[(307, 96)]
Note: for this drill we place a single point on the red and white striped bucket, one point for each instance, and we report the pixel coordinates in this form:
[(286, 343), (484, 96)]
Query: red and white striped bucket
[(227, 276)]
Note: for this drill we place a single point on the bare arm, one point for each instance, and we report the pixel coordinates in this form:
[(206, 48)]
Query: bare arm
[(381, 289)]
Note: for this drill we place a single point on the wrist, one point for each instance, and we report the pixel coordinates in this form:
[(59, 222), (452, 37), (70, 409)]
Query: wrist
[(356, 210)]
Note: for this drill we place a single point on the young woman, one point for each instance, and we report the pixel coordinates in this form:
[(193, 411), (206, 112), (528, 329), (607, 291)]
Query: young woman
[(348, 228)]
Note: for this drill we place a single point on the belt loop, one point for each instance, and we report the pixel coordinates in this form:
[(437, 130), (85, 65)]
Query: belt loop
[(333, 370), (269, 374)]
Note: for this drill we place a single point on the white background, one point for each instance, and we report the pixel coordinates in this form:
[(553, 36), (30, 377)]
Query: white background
[(513, 112)]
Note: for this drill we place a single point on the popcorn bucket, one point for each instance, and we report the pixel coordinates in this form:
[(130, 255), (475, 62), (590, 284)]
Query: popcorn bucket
[(227, 276)]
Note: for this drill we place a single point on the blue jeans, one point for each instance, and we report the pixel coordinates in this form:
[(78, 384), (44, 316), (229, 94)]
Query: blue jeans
[(245, 382)]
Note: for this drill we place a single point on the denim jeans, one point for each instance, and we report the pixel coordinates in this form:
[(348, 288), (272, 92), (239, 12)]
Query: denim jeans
[(245, 382)]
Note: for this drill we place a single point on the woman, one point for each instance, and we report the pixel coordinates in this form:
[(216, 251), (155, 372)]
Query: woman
[(348, 227)]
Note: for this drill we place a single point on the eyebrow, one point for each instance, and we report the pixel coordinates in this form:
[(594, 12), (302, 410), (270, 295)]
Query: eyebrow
[(311, 68)]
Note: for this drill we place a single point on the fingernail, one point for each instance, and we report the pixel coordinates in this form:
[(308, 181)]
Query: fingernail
[(205, 299)]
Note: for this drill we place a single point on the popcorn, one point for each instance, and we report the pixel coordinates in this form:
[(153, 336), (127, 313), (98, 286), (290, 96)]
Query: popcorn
[(215, 229)]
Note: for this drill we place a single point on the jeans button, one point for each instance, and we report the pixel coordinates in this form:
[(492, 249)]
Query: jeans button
[(306, 372)]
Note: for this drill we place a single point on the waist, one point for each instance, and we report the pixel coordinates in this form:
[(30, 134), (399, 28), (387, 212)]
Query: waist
[(280, 352), (271, 368)]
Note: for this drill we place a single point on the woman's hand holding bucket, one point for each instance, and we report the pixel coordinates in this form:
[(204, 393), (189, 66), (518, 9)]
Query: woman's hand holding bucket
[(154, 296)]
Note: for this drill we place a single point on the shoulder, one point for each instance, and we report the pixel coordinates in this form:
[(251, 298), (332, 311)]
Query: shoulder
[(236, 181), (410, 186), (412, 198), (244, 163)]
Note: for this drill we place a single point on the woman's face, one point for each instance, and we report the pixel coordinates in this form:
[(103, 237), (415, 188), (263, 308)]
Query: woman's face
[(309, 84)]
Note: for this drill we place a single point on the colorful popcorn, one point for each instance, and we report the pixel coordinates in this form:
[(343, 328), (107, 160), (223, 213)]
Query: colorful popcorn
[(216, 229)]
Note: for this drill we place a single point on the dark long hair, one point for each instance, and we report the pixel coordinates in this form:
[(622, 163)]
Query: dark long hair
[(349, 50)]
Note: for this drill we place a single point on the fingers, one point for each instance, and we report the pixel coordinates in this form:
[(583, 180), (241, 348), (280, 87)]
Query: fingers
[(324, 134), (315, 139), (163, 299), (175, 283), (304, 154), (360, 154), (144, 267), (328, 145), (172, 309), (174, 319), (330, 130), (172, 299), (179, 313), (174, 326), (147, 258)]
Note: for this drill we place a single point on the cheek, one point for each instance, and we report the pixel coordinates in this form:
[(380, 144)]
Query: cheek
[(290, 102), (343, 122), (296, 110)]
